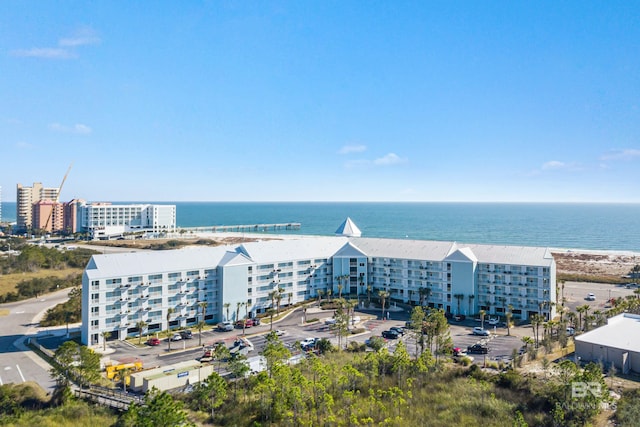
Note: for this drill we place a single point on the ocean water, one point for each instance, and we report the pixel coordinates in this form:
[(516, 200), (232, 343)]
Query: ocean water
[(558, 225)]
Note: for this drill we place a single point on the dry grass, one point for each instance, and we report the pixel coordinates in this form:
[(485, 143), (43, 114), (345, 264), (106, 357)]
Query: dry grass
[(8, 282)]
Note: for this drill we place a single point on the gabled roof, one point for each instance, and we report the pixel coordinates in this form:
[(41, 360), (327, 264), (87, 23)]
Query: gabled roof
[(461, 254), (350, 250), (348, 228), (234, 258)]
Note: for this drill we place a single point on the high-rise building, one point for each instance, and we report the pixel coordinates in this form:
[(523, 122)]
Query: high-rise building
[(48, 215), (26, 197)]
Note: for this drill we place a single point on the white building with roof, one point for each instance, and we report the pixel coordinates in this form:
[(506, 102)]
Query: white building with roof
[(617, 343), (121, 290), (104, 220)]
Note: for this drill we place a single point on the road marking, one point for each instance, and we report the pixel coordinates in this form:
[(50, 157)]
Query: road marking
[(18, 312), (20, 372), (7, 368)]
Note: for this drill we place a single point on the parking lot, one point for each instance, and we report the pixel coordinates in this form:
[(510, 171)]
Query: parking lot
[(575, 294), (500, 346)]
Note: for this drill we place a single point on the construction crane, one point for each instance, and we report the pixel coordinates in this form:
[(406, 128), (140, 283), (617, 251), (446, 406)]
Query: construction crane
[(46, 225)]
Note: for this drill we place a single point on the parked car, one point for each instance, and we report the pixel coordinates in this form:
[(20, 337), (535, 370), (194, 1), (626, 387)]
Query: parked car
[(398, 329), (176, 337), (153, 341), (482, 332), (330, 321), (244, 323), (308, 343), (186, 334), (478, 348), (591, 297), (280, 332), (459, 317), (225, 327), (390, 334), (571, 331), (355, 319), (494, 321)]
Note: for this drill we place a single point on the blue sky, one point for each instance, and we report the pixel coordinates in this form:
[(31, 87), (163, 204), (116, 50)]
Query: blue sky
[(322, 101)]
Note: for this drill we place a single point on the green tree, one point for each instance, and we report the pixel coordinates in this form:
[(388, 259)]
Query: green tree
[(226, 306), (159, 410), (200, 326), (383, 295), (220, 353), (459, 298), (274, 352), (209, 395), (140, 324), (170, 311), (105, 336)]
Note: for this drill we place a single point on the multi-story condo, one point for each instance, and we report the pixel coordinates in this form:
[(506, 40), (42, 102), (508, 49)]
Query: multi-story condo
[(26, 197), (179, 288), (102, 220), (48, 215)]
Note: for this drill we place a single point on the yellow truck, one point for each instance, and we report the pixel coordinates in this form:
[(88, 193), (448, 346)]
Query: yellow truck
[(116, 370)]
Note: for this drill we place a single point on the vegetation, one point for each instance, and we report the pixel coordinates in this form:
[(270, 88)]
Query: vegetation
[(37, 270), (69, 311)]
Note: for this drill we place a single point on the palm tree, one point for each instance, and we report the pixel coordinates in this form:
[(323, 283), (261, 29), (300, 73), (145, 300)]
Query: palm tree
[(170, 311), (508, 320), (421, 294), (383, 299), (200, 326), (361, 280), (581, 309), (340, 291), (482, 313), (458, 297), (369, 289), (270, 313), (238, 305), (470, 300), (246, 316), (227, 305), (141, 324), (320, 293), (203, 308), (273, 295), (278, 299), (105, 336), (329, 292)]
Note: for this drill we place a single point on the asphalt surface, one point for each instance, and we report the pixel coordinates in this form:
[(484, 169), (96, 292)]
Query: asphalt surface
[(17, 363)]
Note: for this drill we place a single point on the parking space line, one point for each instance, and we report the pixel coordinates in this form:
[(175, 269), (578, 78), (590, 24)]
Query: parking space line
[(20, 372)]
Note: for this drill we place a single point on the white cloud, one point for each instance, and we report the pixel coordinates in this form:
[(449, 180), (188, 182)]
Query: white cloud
[(66, 46), (389, 159), (46, 53), (553, 165), (626, 154), (352, 149), (23, 145), (78, 129), (83, 36)]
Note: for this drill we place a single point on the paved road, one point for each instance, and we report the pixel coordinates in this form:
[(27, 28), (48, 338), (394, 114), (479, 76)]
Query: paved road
[(17, 364)]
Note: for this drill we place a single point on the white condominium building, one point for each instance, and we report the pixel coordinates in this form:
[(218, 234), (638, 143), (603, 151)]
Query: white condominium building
[(179, 288), (103, 220)]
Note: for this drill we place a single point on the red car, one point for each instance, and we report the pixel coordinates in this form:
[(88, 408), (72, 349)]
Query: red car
[(153, 341)]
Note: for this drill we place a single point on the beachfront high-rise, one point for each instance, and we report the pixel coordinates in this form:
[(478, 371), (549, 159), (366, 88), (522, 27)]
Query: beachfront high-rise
[(121, 290), (26, 197), (105, 220)]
